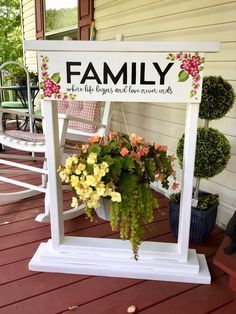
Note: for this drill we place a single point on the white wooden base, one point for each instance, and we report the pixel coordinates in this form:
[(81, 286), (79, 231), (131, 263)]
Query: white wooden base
[(113, 258)]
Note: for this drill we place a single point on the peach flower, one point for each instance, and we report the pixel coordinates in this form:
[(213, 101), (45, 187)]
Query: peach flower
[(175, 186), (94, 139), (112, 135), (124, 151), (84, 148)]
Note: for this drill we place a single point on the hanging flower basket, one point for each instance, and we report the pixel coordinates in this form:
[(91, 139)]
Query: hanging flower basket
[(114, 178)]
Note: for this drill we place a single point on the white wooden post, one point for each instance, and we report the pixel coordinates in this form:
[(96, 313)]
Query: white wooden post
[(54, 190), (111, 257), (187, 179)]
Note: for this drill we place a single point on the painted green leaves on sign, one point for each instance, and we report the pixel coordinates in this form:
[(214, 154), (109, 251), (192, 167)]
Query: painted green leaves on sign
[(183, 76), (56, 78)]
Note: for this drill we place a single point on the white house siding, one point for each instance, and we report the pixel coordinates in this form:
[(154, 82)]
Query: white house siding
[(172, 20), (28, 26)]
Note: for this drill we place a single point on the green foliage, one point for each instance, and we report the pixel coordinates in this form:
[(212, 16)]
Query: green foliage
[(59, 19), (95, 148), (205, 200), (217, 98), (10, 31), (116, 167), (133, 214), (150, 168), (128, 183), (212, 152), (128, 163), (17, 75)]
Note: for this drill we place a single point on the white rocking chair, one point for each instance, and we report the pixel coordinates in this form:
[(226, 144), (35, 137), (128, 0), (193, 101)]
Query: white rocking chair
[(69, 123)]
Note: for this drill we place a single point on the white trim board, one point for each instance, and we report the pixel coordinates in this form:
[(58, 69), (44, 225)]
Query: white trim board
[(56, 45)]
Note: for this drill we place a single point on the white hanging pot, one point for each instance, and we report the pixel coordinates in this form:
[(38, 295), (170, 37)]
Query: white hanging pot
[(103, 211)]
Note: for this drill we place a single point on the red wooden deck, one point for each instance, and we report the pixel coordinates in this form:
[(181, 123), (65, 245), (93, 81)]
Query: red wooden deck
[(26, 292)]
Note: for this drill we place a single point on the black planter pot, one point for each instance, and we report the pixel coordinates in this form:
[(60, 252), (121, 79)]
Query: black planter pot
[(202, 222)]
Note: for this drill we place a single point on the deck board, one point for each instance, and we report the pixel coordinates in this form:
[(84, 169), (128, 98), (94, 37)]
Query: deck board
[(203, 299), (26, 292)]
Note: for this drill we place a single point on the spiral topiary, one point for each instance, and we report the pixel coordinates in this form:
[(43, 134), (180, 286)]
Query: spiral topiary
[(212, 152), (217, 98)]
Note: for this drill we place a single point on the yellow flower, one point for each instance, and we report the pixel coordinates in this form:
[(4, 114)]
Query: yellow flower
[(71, 160), (100, 189), (87, 192), (91, 180), (80, 168), (92, 158), (64, 176), (99, 172), (96, 169), (74, 202), (94, 196), (79, 190), (108, 191), (74, 159), (104, 165), (115, 197), (74, 181), (92, 204)]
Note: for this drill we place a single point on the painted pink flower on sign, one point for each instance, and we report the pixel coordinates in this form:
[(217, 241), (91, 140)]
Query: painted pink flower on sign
[(191, 66), (49, 85)]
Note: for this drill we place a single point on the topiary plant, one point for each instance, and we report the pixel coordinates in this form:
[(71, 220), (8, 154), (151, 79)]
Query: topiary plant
[(212, 156), (212, 147), (217, 98), (212, 152)]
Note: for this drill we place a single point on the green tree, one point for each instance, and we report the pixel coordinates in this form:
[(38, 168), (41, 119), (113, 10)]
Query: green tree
[(10, 31)]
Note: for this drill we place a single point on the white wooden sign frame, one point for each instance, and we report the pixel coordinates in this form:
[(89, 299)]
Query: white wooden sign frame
[(111, 257)]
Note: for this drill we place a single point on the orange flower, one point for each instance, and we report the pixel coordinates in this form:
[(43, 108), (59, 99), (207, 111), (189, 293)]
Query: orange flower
[(139, 155), (124, 151), (112, 135), (145, 150), (175, 186), (94, 139), (84, 148), (133, 139), (163, 148)]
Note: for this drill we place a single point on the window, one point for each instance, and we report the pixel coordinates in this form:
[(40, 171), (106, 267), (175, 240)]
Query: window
[(56, 19), (61, 19)]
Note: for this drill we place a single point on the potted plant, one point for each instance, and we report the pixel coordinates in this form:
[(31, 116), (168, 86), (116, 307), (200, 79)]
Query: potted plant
[(212, 156), (17, 76), (119, 172)]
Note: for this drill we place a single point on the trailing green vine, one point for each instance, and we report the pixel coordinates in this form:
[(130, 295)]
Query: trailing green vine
[(132, 215)]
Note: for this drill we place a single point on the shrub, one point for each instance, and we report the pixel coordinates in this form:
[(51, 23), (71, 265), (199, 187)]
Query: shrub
[(212, 152), (217, 98)]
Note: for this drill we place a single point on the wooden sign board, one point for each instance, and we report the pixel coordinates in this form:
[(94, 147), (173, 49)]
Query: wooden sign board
[(121, 76)]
